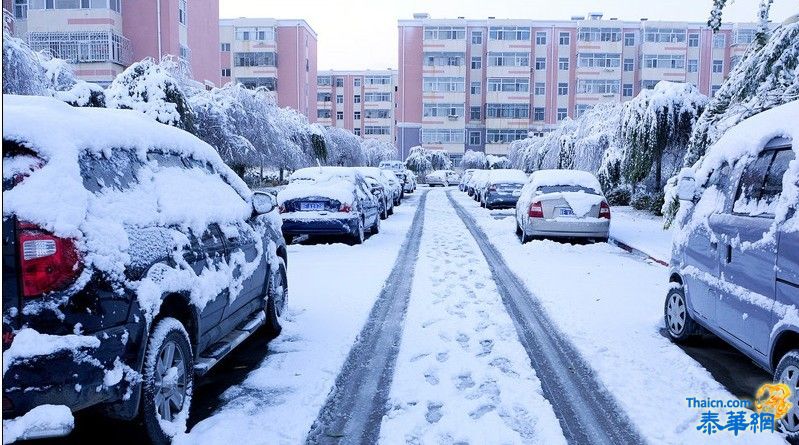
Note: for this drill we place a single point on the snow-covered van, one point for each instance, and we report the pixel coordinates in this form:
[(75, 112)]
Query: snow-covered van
[(735, 261), (134, 260)]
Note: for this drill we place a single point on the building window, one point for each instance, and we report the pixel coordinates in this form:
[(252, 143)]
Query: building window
[(538, 88), (24, 5), (504, 136), (508, 59), (508, 84), (474, 113), (664, 61), (718, 66), (339, 99), (474, 138), (540, 63), (443, 84), (744, 36), (182, 11), (254, 59), (509, 33), (693, 65), (563, 89), (251, 33), (441, 110), (580, 109), (270, 83), (714, 89), (83, 46), (599, 35), (507, 111), (598, 60), (629, 39), (356, 99), (377, 114), (562, 113), (226, 47), (564, 38), (629, 64), (340, 115), (339, 82), (323, 114), (693, 40), (563, 63), (477, 37), (373, 130), (442, 136), (627, 90), (444, 59), (357, 131), (477, 62), (356, 82), (444, 33), (225, 72), (21, 9), (378, 80), (538, 113), (356, 115), (597, 86), (377, 97), (719, 40), (540, 38), (323, 97), (475, 88), (664, 35), (648, 84)]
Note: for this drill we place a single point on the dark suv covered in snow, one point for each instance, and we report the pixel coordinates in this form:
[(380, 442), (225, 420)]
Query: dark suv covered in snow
[(133, 260)]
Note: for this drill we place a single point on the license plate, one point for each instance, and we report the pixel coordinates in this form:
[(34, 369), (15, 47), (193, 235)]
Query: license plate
[(311, 206), (566, 212)]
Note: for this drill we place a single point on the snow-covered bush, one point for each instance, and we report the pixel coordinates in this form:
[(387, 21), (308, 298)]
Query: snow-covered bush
[(344, 148), (474, 159), (375, 151), (439, 160), (497, 162), (150, 88), (418, 161)]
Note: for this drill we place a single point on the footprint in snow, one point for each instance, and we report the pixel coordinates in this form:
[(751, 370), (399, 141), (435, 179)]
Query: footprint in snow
[(433, 414), (442, 357), (463, 339), (487, 345), (431, 378), (504, 365), (481, 411), (419, 357), (464, 381)]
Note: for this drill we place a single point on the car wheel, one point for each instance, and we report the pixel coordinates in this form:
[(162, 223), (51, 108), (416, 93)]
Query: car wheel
[(384, 212), (391, 210), (518, 229), (375, 229), (603, 239), (277, 299), (167, 384), (679, 323), (358, 236), (288, 238), (525, 238), (787, 372)]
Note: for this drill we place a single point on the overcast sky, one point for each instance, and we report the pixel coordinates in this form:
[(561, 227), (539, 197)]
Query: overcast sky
[(362, 34)]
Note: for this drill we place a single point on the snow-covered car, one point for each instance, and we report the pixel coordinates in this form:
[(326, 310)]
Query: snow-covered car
[(467, 174), (562, 204), (410, 181), (134, 260), (453, 177), (735, 260), (381, 187), (502, 189), (328, 201), (438, 177), (398, 167), (477, 182), (396, 185)]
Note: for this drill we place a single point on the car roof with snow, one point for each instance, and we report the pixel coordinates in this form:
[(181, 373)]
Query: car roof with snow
[(321, 174), (544, 178), (508, 175)]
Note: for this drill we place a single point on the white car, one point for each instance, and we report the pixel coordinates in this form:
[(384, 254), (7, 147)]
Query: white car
[(562, 204), (438, 177)]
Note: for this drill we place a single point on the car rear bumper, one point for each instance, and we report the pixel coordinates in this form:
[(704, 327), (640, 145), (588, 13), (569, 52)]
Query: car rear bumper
[(331, 226), (77, 378), (579, 228)]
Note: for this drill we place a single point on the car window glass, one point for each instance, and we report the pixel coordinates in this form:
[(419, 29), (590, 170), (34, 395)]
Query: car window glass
[(165, 160), (194, 163), (750, 187), (116, 172), (772, 187)]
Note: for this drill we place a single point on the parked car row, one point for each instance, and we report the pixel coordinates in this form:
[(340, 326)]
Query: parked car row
[(348, 202), (442, 178), (134, 260), (406, 176)]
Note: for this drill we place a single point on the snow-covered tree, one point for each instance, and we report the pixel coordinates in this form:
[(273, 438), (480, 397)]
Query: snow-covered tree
[(439, 159), (344, 148), (22, 72), (375, 151), (418, 161), (655, 122), (495, 162), (151, 89), (474, 159)]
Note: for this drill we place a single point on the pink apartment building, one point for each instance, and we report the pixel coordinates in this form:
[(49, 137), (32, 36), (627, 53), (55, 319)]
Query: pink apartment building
[(277, 54), (480, 84), (100, 38), (359, 101)]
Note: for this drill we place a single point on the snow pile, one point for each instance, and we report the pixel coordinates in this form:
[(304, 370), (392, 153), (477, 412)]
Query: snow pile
[(341, 190), (507, 176), (29, 343), (44, 420), (54, 197)]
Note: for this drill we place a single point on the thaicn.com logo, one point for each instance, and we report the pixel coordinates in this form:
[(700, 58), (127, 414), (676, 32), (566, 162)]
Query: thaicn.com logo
[(735, 416)]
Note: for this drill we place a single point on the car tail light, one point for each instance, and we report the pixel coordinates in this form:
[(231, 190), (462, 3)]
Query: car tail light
[(604, 210), (346, 208), (48, 263), (536, 211)]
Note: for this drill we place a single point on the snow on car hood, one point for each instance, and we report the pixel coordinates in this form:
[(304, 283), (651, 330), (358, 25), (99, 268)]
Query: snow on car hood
[(580, 202)]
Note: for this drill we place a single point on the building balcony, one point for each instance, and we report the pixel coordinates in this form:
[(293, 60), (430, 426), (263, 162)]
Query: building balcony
[(444, 71), (444, 46), (84, 46)]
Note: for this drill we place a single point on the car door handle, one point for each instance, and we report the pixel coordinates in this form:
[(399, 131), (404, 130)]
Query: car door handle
[(729, 254)]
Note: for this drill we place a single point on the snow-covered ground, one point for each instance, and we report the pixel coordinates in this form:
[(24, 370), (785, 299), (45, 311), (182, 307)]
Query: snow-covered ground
[(332, 289), (641, 230), (461, 375), (610, 305)]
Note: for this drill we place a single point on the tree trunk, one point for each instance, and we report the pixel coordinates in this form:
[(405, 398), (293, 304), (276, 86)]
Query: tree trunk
[(658, 171)]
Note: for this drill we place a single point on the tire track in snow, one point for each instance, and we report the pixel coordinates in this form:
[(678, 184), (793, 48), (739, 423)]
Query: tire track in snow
[(588, 414), (355, 407)]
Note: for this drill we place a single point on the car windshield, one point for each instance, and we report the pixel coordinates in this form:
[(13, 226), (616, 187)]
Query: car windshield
[(566, 188)]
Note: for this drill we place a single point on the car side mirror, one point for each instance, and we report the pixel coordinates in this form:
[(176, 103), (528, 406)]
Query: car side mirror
[(263, 202), (686, 185), (375, 191)]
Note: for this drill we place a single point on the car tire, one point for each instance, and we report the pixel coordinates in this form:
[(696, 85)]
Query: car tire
[(391, 210), (603, 239), (518, 229), (276, 299), (375, 229), (787, 372), (358, 236), (168, 345), (524, 237), (384, 212), (681, 327), (288, 238)]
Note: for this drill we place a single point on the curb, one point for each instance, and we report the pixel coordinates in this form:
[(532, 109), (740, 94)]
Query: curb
[(638, 252)]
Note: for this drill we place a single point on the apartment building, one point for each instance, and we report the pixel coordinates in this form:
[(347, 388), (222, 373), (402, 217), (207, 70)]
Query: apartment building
[(359, 101), (100, 38), (279, 55), (480, 84)]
